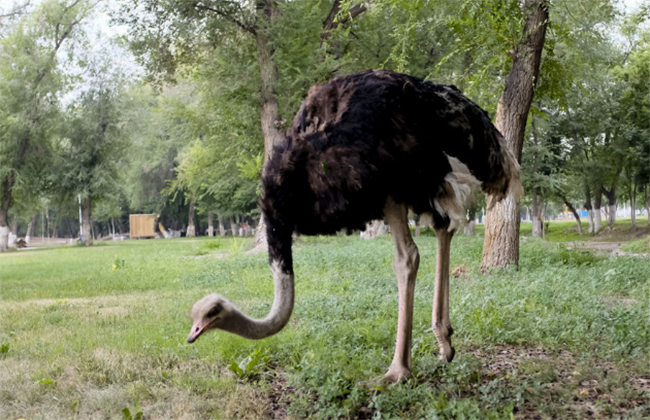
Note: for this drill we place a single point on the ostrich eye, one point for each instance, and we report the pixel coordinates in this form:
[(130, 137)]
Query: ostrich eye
[(214, 311)]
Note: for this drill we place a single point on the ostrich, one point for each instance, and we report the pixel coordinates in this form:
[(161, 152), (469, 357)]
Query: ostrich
[(367, 146)]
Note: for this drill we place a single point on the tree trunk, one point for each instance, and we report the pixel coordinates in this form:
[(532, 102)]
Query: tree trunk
[(7, 186), (113, 226), (272, 123), (417, 225), (87, 214), (597, 212), (633, 207), (30, 229), (233, 226), (590, 210), (191, 229), (537, 222), (537, 216), (120, 227), (222, 229), (612, 215), (210, 224), (575, 214), (647, 204), (611, 204), (501, 242)]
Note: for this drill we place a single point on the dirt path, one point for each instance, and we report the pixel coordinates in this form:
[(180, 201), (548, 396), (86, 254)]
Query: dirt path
[(610, 249)]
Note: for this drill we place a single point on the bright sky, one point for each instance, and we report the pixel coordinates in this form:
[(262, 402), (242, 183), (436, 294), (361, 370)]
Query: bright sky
[(632, 4)]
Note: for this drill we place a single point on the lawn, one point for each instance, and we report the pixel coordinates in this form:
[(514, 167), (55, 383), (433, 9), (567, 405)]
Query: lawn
[(99, 333)]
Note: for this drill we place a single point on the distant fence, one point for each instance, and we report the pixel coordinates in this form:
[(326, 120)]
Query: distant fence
[(142, 225)]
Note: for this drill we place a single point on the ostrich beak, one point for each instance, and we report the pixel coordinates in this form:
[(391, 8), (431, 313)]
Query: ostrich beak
[(197, 330)]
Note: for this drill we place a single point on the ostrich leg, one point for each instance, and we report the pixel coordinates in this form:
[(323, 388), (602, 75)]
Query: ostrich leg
[(405, 265), (441, 323)]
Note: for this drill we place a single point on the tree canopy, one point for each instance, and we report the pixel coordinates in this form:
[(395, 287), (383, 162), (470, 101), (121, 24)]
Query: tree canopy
[(217, 82)]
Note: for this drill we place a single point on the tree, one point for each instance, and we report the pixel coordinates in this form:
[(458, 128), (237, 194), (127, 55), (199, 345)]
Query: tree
[(172, 35), (93, 142), (501, 243), (29, 81)]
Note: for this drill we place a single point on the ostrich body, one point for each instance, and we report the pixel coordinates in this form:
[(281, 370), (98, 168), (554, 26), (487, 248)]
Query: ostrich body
[(367, 146)]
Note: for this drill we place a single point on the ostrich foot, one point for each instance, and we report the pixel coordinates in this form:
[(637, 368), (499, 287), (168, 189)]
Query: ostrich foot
[(447, 353), (443, 335), (397, 374)]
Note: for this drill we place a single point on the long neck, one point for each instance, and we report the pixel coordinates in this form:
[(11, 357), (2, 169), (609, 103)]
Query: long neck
[(280, 260)]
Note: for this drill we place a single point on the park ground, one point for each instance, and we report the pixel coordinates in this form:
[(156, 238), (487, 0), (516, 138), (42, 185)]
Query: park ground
[(99, 332)]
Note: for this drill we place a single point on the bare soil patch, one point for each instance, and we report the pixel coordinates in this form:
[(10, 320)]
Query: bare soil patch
[(593, 387), (217, 255)]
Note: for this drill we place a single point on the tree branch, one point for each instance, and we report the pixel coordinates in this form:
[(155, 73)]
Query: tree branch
[(331, 22), (247, 28)]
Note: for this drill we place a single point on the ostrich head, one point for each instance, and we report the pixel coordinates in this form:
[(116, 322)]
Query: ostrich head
[(213, 311)]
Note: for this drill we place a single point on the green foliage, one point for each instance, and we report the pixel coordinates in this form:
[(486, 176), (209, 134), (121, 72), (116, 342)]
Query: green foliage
[(248, 366), (640, 246), (31, 84), (126, 414), (93, 138)]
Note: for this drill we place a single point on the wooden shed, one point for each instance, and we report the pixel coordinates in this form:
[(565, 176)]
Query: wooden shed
[(142, 225)]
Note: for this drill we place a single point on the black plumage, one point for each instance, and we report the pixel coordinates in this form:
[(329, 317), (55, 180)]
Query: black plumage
[(360, 138)]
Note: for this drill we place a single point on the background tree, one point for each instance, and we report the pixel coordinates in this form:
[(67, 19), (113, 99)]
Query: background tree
[(29, 83), (93, 142)]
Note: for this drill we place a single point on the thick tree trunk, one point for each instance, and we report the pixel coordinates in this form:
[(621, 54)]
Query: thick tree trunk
[(611, 204), (87, 223), (191, 229), (501, 242), (611, 220), (590, 210), (222, 228), (7, 186), (598, 224), (210, 224)]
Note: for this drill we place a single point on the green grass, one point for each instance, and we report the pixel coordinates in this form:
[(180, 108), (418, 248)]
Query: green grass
[(566, 336), (567, 231), (640, 246)]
